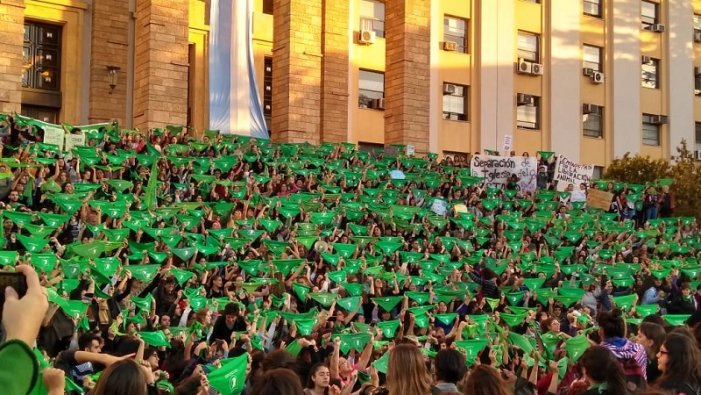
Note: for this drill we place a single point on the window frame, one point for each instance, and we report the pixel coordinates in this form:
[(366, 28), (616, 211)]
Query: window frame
[(648, 21), (268, 7), (653, 63), (365, 103), (600, 52), (36, 46), (375, 23), (595, 3), (590, 132), (456, 116), (462, 46), (697, 132), (526, 124), (647, 125), (520, 51), (268, 88)]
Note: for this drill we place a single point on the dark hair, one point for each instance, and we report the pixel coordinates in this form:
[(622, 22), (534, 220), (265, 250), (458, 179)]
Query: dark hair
[(655, 319), (86, 340), (278, 381), (612, 324), (683, 362), (189, 386), (603, 367), (124, 377), (654, 332), (449, 365), (231, 309), (279, 359), (312, 372), (484, 380)]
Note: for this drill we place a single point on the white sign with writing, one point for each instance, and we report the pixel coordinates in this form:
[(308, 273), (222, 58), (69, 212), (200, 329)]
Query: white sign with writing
[(53, 135), (74, 140), (508, 143), (496, 170), (569, 172)]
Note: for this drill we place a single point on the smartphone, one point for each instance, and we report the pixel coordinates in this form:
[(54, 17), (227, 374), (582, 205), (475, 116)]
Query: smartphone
[(14, 280)]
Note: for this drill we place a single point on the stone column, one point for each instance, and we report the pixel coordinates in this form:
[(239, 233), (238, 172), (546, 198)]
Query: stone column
[(11, 43), (297, 63), (110, 48), (161, 63), (335, 71), (407, 73)]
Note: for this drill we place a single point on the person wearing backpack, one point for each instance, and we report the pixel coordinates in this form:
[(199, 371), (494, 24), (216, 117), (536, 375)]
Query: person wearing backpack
[(631, 355)]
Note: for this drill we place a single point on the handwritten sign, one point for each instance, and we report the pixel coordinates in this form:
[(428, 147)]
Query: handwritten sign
[(597, 198), (569, 172), (496, 170), (53, 135), (508, 143), (74, 140)]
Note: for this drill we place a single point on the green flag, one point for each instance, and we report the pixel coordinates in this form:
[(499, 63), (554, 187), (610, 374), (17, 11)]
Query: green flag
[(349, 304), (576, 346), (389, 328), (230, 378), (324, 298), (387, 303), (155, 339), (150, 197)]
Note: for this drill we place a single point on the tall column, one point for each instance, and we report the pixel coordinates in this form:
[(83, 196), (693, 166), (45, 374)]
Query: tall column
[(565, 65), (11, 40), (297, 64), (161, 67), (109, 48), (335, 71), (680, 54), (625, 52), (407, 73)]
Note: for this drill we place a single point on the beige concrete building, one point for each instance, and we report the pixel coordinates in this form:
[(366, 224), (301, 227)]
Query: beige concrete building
[(592, 79)]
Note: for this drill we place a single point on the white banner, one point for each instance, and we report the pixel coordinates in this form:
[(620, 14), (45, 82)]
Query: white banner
[(74, 140), (496, 170), (568, 172)]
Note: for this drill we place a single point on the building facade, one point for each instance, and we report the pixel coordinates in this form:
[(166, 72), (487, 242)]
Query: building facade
[(592, 79)]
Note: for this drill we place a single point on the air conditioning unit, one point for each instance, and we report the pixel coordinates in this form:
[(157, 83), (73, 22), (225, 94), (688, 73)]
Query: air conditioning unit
[(646, 59), (449, 89), (658, 119), (697, 37), (524, 66), (537, 69), (588, 71), (597, 77), (450, 46), (524, 99), (697, 154), (367, 37), (657, 28), (590, 108), (377, 104)]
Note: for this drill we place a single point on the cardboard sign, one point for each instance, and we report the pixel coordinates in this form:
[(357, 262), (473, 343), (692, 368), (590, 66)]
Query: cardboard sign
[(74, 140), (496, 170), (54, 135), (569, 172), (599, 199)]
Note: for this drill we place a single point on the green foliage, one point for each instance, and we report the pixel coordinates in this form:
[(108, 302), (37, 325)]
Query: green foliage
[(685, 171)]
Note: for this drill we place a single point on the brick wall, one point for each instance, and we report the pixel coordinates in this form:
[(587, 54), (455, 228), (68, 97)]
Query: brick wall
[(407, 84), (110, 47), (297, 63), (335, 71), (161, 63), (11, 39)]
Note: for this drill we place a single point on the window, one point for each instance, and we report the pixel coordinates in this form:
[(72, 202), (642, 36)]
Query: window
[(648, 14), (372, 17), (592, 57), (455, 30), (455, 102), (592, 8), (697, 81), (650, 69), (593, 121), (528, 46), (597, 173), (371, 87), (268, 7), (268, 89), (697, 23), (651, 130), (528, 112), (41, 53), (698, 136)]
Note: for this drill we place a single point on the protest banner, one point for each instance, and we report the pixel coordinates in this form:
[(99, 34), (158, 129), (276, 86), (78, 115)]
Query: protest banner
[(597, 198), (508, 143), (496, 170), (569, 172), (53, 134), (74, 140)]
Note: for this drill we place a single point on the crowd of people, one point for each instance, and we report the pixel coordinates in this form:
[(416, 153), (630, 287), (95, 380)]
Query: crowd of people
[(161, 263)]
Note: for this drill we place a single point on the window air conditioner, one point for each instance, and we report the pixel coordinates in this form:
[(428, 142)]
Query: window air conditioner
[(450, 46), (367, 37), (597, 77), (537, 69), (524, 66), (448, 89)]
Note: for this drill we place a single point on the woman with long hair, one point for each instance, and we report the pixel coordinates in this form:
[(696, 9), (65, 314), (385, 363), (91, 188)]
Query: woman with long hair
[(278, 382), (651, 336), (603, 372), (680, 362), (125, 377), (485, 380), (318, 380), (406, 371)]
